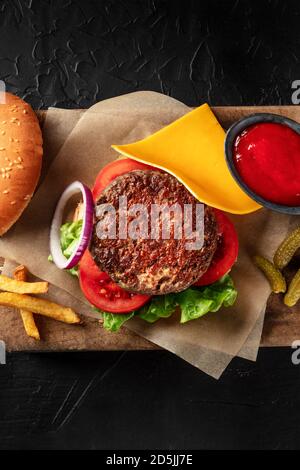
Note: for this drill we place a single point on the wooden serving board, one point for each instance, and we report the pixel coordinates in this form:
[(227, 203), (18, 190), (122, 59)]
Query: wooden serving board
[(281, 327)]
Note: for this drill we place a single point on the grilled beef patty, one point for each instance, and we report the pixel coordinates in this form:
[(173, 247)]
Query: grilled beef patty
[(151, 266)]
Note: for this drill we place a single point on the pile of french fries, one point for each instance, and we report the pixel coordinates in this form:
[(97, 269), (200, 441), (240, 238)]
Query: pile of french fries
[(18, 294)]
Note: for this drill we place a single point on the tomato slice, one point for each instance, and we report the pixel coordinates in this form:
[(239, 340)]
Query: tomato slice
[(115, 169), (102, 292), (226, 253)]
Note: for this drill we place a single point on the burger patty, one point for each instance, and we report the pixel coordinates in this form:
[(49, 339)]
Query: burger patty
[(146, 265)]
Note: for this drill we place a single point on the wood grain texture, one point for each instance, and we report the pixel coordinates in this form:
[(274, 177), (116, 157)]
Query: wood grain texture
[(281, 327)]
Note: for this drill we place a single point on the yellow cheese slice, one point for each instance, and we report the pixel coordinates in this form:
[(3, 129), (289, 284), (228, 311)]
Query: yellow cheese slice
[(192, 149)]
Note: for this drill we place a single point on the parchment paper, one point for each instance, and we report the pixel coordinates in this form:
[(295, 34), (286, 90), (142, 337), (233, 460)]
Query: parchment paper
[(58, 124), (209, 343)]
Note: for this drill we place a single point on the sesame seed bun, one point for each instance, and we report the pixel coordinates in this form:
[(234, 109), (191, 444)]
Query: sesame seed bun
[(20, 158)]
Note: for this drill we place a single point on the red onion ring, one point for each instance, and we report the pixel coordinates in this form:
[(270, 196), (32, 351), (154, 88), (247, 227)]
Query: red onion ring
[(55, 248)]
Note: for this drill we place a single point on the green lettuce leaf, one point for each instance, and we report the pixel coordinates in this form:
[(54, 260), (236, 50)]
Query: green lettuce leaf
[(159, 307), (193, 302), (113, 321), (196, 302), (69, 236)]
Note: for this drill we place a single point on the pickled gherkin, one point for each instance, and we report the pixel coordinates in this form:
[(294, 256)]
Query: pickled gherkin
[(287, 249), (274, 276), (293, 294)]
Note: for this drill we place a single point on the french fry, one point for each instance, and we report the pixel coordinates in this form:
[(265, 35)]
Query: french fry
[(20, 274), (19, 287), (39, 306), (29, 324)]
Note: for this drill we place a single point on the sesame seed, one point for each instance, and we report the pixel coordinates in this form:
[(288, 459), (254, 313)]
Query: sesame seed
[(5, 191), (2, 148), (20, 167), (8, 169), (20, 159), (4, 122), (10, 164), (13, 202), (27, 197), (11, 139), (25, 111), (3, 133)]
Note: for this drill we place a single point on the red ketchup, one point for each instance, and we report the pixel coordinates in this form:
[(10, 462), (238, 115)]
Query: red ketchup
[(267, 157)]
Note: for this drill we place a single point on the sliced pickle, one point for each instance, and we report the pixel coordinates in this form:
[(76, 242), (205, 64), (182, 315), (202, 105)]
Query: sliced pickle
[(274, 276), (287, 249), (293, 294)]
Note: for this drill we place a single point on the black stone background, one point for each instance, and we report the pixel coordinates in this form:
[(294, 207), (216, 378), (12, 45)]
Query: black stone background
[(72, 54)]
